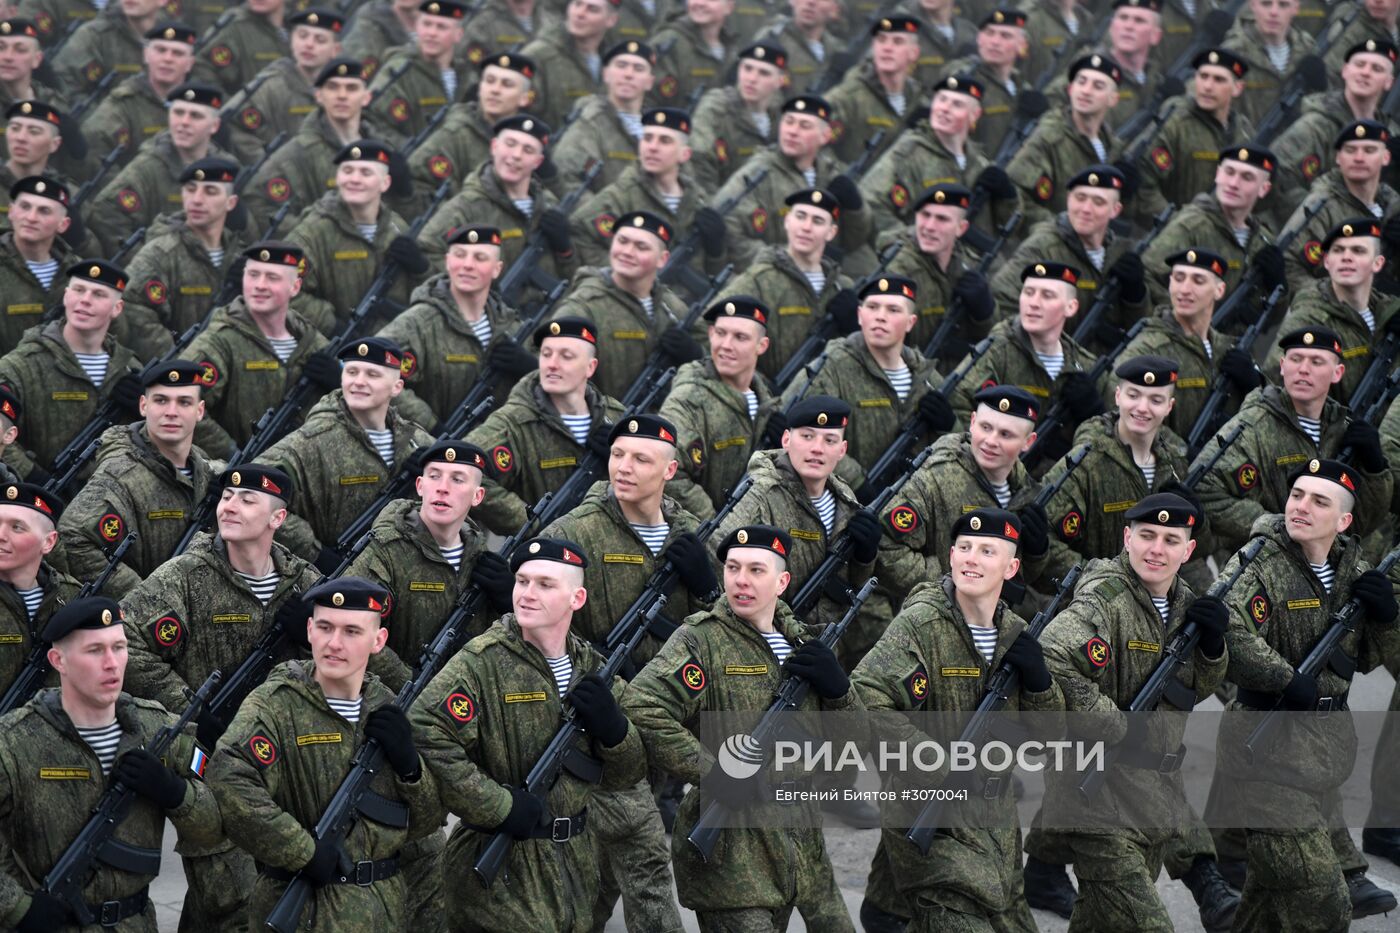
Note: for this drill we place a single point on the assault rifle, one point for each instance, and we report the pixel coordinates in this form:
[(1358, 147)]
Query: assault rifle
[(1227, 312), (657, 362), (526, 268), (1225, 442), (1108, 293), (1372, 384), (678, 271), (94, 181), (1212, 410), (1373, 413), (1208, 34), (75, 116), (953, 316)]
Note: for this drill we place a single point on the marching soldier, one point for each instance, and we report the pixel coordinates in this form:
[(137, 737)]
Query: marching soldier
[(610, 123), (33, 139), (109, 42), (428, 73), (379, 26), (877, 95), (1134, 33), (480, 754), (203, 611), (497, 25), (730, 124), (253, 37), (270, 813), (1054, 32), (568, 54), (31, 254), (1001, 44), (693, 51), (1274, 48), (76, 739), (20, 57), (33, 588), (811, 50), (1377, 24), (149, 480), (135, 109), (946, 36), (550, 421)]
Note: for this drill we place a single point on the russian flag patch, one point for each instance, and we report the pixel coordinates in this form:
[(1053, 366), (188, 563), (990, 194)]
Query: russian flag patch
[(198, 761)]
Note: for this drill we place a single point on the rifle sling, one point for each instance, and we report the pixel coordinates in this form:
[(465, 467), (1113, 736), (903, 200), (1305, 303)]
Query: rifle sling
[(661, 627), (123, 856), (1178, 694), (382, 810), (583, 765)]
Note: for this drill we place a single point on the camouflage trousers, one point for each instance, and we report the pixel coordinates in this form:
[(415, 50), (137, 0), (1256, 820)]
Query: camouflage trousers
[(1117, 874), (421, 864), (635, 861), (1295, 879), (216, 899)]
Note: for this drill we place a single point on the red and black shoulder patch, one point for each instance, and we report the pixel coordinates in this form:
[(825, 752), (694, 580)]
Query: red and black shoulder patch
[(168, 631), (460, 706), (1097, 651), (1071, 525), (1247, 476), (1260, 608), (691, 676), (917, 685), (904, 518), (111, 527), (263, 750), (502, 457)]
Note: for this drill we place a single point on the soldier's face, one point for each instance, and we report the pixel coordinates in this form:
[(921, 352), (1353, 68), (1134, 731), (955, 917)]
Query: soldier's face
[(25, 537), (515, 155), (758, 81), (1000, 45), (809, 229), (1194, 290), (1240, 185), (91, 665), (1362, 162), (1045, 304), (1133, 29), (247, 514), (1368, 74), (437, 35), (36, 219), (628, 78), (171, 412), (343, 98), (998, 439), (812, 13), (168, 62), (979, 565), (472, 268), (547, 594), (90, 307), (19, 56), (709, 12), (952, 113), (361, 183), (1317, 510), (449, 491), (639, 468), (586, 19), (801, 135), (662, 151), (1142, 409), (938, 227), (1382, 9), (1273, 17), (1156, 553), (814, 452), (1353, 261), (1092, 209), (736, 344), (502, 92), (1308, 374), (31, 141), (369, 387), (566, 364), (1216, 87), (312, 47), (754, 578), (885, 320), (1092, 93), (192, 125), (894, 52), (269, 286), (342, 641), (263, 7), (139, 8), (636, 254), (206, 202)]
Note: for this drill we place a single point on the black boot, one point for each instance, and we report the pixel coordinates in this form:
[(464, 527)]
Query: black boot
[(875, 920), (1367, 899), (1233, 871), (1215, 899), (1048, 887), (1382, 842)]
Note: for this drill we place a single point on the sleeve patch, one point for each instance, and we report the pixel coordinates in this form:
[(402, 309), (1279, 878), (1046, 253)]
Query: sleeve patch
[(899, 195), (603, 223), (1162, 159), (691, 676), (1312, 252), (1310, 167), (128, 200), (278, 189), (917, 684), (440, 167), (759, 220), (668, 87), (221, 56), (408, 365), (1044, 189), (1071, 525), (398, 110), (111, 527), (459, 706), (209, 373), (502, 458), (1096, 650), (167, 631), (904, 519), (155, 292), (697, 452), (722, 151), (1259, 608), (263, 749), (251, 118), (1247, 476)]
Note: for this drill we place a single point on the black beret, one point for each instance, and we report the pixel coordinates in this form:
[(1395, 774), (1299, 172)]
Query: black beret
[(1356, 226), (1375, 47), (650, 427), (1334, 470), (630, 47), (963, 84), (348, 593), (1311, 338), (989, 523), (1362, 131), (1051, 270), (278, 252), (195, 93), (259, 478), (808, 103), (645, 220), (895, 24), (41, 185), (668, 118), (319, 17), (1097, 62), (559, 550), (1163, 508), (899, 285), (524, 123), (1251, 155), (211, 168), (1004, 16), (14, 26), (458, 452), (381, 351), (1009, 400), (1153, 5), (452, 9), (1097, 176), (1221, 58), (366, 150), (100, 271), (765, 537), (473, 234), (1200, 259), (512, 61), (90, 612), (35, 110), (815, 197), (168, 31), (766, 52), (340, 68), (1148, 370), (9, 404), (819, 411), (576, 327), (745, 306), (945, 192), (175, 373), (31, 496)]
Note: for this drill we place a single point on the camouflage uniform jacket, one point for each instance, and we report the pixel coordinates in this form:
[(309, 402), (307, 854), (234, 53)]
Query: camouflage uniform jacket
[(131, 114), (1133, 95), (1180, 161), (26, 299), (684, 62), (596, 134), (935, 287), (105, 43), (495, 28), (863, 109), (591, 225), (563, 78), (1264, 83), (18, 632), (480, 725), (998, 103), (1252, 478), (277, 100), (804, 69), (407, 104), (374, 30), (1316, 305), (718, 662), (1047, 35), (723, 136), (459, 144), (531, 449), (50, 779), (274, 772), (1196, 371), (1303, 262), (939, 49), (1201, 224), (53, 18), (1053, 154), (1338, 40), (231, 57), (134, 489)]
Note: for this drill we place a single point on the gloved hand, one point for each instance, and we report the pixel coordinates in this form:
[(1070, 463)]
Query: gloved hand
[(46, 913), (975, 295), (143, 772), (404, 251), (491, 574), (548, 170), (1365, 443), (734, 793), (1031, 104), (555, 227), (679, 346), (127, 393), (76, 234), (1035, 530), (1269, 260), (1390, 232), (324, 865), (1301, 692), (996, 183), (1313, 71), (323, 369), (692, 562), (209, 729), (710, 226), (815, 663), (596, 706), (1082, 396), (327, 561), (1376, 596), (864, 529), (846, 192), (597, 442), (510, 359), (1241, 371), (1211, 618), (936, 413), (1132, 178), (40, 476), (1392, 323), (842, 311), (526, 811), (291, 618), (777, 424), (1026, 655), (388, 725), (1131, 277)]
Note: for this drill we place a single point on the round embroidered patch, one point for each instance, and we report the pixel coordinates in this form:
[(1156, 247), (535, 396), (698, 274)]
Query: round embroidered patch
[(155, 292), (111, 527), (1096, 650), (1259, 608), (1071, 525), (460, 707), (167, 631), (904, 519), (503, 458), (278, 189), (1247, 476), (264, 752)]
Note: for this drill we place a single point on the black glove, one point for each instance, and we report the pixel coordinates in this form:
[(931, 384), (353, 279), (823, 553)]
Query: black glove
[(709, 225), (1392, 323), (936, 413), (598, 442), (1301, 692), (1376, 595), (596, 706), (324, 865), (327, 561), (40, 476), (679, 346), (45, 914), (1313, 71), (1132, 178), (841, 309), (1241, 371), (1031, 104), (491, 574), (1269, 260), (555, 227), (404, 251), (526, 811), (1082, 396), (777, 424), (548, 170), (692, 562), (734, 793), (1131, 277), (1035, 530), (972, 291), (1026, 655), (1211, 618), (996, 183), (209, 729), (127, 393), (864, 529), (1390, 232), (291, 618), (815, 663), (1365, 443), (511, 359), (323, 369), (389, 726), (846, 192), (143, 772)]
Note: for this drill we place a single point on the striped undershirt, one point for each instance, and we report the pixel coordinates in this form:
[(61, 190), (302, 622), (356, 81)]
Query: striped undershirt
[(818, 52), (1149, 471), (648, 305), (825, 504), (632, 123), (43, 271), (449, 82), (778, 645), (563, 671), (1241, 236), (1312, 427), (947, 32), (901, 380), (1160, 602), (94, 366), (366, 231), (578, 426), (1278, 56), (283, 347), (1002, 491), (810, 176), (1052, 363), (525, 206), (1210, 352), (1096, 256), (103, 741), (1369, 318), (816, 279), (383, 442), (672, 202), (1376, 210), (1325, 574), (187, 472), (594, 63), (262, 587), (985, 638), (32, 598), (1099, 150), (751, 402), (762, 122), (897, 103), (481, 330), (961, 159), (216, 256), (453, 554), (653, 536), (348, 710)]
